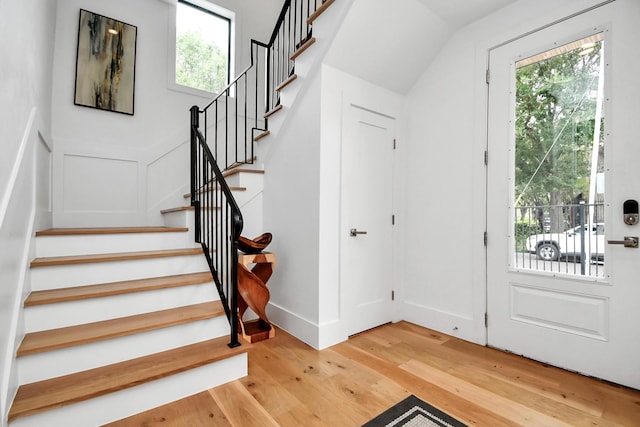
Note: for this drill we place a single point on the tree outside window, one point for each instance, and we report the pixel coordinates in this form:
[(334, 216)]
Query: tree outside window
[(559, 145), (202, 48)]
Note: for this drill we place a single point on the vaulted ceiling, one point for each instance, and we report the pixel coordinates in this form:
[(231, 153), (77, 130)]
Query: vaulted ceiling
[(391, 42)]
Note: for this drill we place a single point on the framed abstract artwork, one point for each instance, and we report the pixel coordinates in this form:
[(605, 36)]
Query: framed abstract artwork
[(105, 63)]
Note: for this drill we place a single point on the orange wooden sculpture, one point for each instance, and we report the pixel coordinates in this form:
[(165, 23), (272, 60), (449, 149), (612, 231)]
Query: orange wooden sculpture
[(252, 287)]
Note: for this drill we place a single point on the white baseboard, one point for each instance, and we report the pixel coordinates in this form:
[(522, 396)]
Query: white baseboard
[(301, 328), (331, 333), (447, 323), (317, 336)]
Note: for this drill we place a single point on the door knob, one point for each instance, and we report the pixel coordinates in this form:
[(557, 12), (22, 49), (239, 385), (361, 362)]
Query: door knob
[(354, 232), (628, 242)]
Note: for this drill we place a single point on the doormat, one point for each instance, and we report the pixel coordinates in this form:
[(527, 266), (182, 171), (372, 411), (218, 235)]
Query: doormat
[(413, 412)]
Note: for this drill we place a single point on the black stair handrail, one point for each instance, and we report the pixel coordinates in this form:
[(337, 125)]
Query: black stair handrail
[(291, 32), (218, 222), (232, 117), (223, 135), (254, 91)]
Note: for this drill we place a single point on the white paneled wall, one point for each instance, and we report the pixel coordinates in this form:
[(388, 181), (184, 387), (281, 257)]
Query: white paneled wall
[(166, 176), (107, 185), (44, 197)]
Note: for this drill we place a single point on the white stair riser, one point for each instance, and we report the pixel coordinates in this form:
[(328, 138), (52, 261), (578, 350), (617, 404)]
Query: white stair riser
[(253, 182), (179, 219), (252, 216), (59, 315), (110, 243), (124, 403), (275, 123), (250, 204), (62, 276), (55, 363), (289, 94), (241, 197), (241, 203)]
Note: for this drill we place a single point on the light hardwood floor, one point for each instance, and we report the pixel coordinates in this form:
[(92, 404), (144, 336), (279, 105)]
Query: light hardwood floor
[(291, 384)]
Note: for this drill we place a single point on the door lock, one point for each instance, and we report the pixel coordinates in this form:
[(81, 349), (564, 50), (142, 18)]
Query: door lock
[(630, 212), (354, 232), (628, 242)]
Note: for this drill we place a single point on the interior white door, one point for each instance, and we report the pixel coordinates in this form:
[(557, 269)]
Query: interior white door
[(366, 218), (585, 323)]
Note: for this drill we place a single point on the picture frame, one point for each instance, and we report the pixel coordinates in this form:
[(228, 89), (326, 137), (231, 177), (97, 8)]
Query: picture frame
[(105, 63)]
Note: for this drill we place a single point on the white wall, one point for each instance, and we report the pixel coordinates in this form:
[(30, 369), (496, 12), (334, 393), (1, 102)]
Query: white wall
[(90, 148), (25, 79), (445, 182), (293, 205), (116, 169)]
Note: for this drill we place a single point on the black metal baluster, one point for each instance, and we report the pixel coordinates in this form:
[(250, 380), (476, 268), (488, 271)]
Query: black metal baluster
[(247, 133), (235, 124), (215, 130), (218, 218)]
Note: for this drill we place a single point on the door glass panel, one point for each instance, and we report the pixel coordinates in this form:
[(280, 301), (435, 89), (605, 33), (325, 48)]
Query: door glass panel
[(559, 160)]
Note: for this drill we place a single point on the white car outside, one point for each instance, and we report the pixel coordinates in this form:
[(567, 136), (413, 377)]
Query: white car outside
[(553, 246)]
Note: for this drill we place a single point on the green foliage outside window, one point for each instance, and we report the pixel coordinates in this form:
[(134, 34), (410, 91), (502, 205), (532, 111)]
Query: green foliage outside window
[(555, 121), (200, 64)]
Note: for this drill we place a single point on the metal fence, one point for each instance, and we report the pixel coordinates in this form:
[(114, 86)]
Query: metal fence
[(560, 238)]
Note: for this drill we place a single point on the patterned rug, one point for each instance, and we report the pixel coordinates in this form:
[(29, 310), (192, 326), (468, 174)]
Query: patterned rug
[(413, 412)]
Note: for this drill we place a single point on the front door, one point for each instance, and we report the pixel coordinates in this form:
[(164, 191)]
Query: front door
[(563, 159), (366, 218)]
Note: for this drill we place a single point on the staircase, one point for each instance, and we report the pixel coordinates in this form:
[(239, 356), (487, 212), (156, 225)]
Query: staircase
[(119, 321), (122, 320), (227, 137)]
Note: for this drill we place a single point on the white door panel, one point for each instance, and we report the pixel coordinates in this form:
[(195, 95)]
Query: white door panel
[(585, 323), (367, 179)]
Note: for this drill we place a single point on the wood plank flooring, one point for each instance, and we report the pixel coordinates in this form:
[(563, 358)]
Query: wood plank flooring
[(291, 384)]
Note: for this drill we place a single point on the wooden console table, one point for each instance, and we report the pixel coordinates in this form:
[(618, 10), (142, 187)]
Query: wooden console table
[(253, 294)]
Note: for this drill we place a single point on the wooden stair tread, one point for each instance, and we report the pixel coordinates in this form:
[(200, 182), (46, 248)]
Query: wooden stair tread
[(273, 111), (319, 11), (216, 188), (178, 209), (236, 171), (53, 339), (118, 256), (107, 230), (287, 82), (240, 164), (57, 392), (261, 135), (241, 170), (302, 48), (76, 293), (189, 208)]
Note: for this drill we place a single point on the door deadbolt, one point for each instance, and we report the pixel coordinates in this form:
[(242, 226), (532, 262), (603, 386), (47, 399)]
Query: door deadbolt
[(630, 212)]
